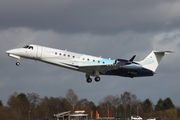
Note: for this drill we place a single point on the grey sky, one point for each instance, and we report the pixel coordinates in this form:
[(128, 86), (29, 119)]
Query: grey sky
[(77, 16), (115, 29)]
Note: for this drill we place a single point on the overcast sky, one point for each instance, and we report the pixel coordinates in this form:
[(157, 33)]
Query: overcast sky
[(107, 28)]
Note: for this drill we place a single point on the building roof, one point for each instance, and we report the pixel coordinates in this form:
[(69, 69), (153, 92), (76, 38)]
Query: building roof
[(62, 113), (75, 115)]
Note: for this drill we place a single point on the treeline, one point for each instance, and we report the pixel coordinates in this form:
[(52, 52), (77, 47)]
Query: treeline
[(30, 106)]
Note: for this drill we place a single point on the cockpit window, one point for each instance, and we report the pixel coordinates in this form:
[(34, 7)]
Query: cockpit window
[(26, 46), (30, 47)]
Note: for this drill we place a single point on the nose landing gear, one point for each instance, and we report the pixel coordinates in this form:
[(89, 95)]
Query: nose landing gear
[(17, 63)]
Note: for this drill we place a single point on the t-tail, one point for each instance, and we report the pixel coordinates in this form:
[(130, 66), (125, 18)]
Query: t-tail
[(152, 61)]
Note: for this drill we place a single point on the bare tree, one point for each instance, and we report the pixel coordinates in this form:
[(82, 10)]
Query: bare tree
[(19, 105), (34, 101), (86, 105), (129, 103), (71, 97), (110, 104), (66, 105)]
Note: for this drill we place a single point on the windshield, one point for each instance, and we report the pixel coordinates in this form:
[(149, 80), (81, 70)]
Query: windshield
[(26, 46)]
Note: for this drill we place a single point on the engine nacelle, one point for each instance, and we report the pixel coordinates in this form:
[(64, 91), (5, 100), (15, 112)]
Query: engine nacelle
[(122, 62), (127, 64)]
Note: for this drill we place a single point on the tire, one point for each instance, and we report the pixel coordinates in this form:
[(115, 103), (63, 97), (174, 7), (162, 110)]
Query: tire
[(17, 63), (88, 80), (97, 79)]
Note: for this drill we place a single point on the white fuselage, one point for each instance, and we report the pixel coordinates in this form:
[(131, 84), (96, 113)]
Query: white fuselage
[(58, 57), (91, 65)]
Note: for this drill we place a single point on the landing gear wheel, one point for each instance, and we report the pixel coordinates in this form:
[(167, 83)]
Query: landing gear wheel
[(89, 80), (97, 79), (17, 63)]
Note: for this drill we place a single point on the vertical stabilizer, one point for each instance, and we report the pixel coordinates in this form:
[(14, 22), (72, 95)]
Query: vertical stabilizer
[(152, 61)]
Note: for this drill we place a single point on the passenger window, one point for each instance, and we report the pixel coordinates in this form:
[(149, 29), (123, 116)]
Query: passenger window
[(68, 55), (59, 53), (73, 56), (64, 54)]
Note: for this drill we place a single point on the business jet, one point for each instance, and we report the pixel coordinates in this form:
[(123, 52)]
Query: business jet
[(90, 65)]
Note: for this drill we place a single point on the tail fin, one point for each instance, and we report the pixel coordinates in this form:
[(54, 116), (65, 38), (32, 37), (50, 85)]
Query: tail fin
[(151, 62)]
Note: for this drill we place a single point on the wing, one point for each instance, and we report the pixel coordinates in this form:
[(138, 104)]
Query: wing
[(101, 69), (95, 70)]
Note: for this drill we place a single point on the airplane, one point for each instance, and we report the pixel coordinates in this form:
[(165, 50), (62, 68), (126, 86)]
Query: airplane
[(90, 65)]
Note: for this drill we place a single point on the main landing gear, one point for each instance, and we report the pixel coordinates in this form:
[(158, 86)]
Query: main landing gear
[(97, 79), (89, 80)]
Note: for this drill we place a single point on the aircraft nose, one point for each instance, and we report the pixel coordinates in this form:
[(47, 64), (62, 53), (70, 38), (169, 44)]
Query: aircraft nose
[(9, 51), (12, 51)]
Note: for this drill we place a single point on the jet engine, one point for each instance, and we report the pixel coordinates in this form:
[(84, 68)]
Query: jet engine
[(122, 62)]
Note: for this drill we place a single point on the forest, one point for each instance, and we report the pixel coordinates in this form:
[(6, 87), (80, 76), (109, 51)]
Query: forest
[(30, 106)]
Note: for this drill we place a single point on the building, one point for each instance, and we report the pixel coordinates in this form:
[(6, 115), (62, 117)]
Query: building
[(67, 116)]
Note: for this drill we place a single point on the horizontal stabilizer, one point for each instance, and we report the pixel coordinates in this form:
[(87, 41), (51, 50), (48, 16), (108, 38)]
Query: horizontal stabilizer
[(164, 52)]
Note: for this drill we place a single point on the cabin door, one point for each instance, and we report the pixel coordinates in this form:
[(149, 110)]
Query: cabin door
[(39, 52)]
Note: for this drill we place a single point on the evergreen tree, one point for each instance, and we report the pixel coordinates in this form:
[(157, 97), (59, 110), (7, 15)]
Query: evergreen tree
[(164, 104), (147, 106), (1, 104), (159, 105), (167, 104)]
